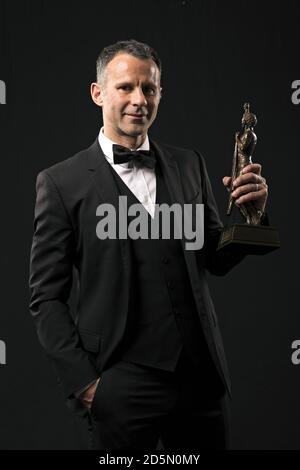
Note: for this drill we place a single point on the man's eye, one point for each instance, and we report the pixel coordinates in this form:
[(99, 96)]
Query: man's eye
[(125, 87), (149, 91)]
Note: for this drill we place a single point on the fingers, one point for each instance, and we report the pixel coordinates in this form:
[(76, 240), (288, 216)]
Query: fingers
[(248, 178), (226, 180), (89, 394), (249, 186), (87, 402), (258, 196), (250, 192), (253, 168)]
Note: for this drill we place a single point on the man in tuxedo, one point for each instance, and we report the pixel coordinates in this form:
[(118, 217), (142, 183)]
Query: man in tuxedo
[(142, 357)]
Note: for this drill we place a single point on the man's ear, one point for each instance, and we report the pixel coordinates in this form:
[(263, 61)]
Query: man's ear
[(97, 93)]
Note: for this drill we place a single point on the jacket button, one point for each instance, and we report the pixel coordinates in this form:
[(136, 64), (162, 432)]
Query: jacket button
[(165, 259), (170, 284), (176, 311)]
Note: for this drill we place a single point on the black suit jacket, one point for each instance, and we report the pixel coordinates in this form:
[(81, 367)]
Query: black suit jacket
[(64, 239)]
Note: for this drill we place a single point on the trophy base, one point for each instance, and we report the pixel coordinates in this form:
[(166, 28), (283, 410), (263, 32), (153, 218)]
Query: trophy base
[(251, 239)]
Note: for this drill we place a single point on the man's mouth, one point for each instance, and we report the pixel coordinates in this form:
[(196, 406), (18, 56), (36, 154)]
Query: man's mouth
[(137, 115)]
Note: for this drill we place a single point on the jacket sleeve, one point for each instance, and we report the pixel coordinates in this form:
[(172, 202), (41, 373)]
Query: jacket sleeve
[(50, 282), (216, 262)]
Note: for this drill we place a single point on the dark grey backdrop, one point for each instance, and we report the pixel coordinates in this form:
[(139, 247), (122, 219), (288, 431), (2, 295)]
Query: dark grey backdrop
[(215, 56)]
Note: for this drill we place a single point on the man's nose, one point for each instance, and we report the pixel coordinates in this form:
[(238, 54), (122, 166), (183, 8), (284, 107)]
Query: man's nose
[(138, 97)]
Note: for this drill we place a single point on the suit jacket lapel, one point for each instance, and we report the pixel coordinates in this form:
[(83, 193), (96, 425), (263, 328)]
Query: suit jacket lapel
[(170, 172), (107, 190), (173, 181), (101, 175)]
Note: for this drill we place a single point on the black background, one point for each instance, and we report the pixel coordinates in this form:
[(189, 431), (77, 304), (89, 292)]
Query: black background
[(216, 55)]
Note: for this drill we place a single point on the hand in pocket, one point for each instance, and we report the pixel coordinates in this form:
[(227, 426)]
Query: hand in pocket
[(88, 395)]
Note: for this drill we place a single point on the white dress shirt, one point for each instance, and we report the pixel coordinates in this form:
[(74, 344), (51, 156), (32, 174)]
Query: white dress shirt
[(141, 181)]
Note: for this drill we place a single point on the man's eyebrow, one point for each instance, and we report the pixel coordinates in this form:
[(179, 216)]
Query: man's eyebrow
[(128, 82), (151, 84)]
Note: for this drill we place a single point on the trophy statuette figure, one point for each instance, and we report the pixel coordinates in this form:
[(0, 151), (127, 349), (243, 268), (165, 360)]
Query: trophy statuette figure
[(251, 237)]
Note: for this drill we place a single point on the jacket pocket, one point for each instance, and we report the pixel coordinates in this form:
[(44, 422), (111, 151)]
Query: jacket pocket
[(90, 341)]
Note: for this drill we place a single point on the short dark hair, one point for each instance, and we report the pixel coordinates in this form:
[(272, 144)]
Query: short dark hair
[(131, 46)]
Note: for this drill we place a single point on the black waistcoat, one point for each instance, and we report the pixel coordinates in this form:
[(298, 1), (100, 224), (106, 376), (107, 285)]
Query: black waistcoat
[(162, 316)]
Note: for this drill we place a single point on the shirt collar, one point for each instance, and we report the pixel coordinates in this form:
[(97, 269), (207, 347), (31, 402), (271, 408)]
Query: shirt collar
[(106, 146)]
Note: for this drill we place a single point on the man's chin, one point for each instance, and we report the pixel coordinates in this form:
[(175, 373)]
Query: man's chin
[(135, 130)]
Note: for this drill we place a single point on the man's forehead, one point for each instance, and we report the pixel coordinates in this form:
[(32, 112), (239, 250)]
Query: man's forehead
[(125, 66)]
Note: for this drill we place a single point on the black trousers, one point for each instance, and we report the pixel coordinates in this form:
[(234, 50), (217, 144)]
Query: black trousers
[(135, 406)]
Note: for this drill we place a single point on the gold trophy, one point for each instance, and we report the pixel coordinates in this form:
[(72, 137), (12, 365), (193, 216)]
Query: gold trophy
[(251, 237)]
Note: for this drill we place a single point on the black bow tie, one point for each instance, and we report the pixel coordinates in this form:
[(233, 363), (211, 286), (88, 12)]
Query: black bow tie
[(139, 158)]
